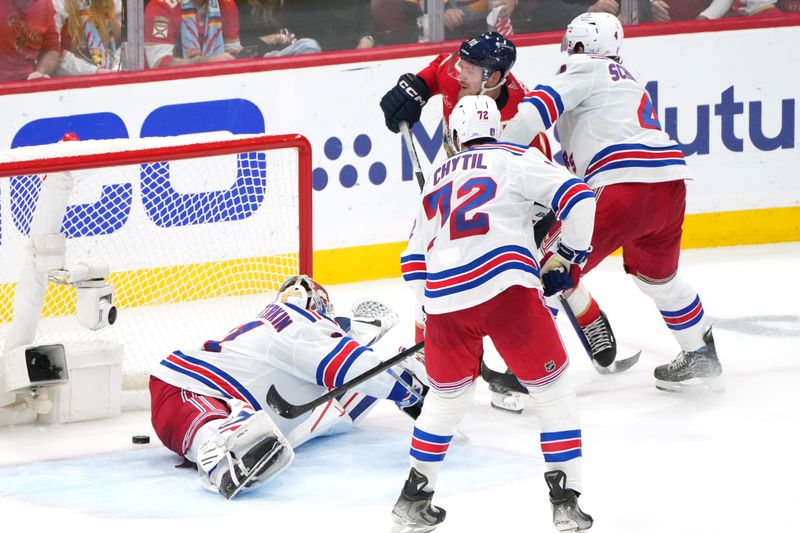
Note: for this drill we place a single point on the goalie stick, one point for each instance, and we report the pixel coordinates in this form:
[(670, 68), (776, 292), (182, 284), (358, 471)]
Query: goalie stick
[(288, 410), (412, 154)]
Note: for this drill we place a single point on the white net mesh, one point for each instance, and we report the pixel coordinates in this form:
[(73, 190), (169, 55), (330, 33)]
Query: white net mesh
[(193, 246)]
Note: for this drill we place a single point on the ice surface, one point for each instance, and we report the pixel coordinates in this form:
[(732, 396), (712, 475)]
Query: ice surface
[(653, 461)]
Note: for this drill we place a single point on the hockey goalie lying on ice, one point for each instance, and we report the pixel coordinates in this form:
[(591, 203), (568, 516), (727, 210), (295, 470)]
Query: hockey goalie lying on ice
[(208, 404)]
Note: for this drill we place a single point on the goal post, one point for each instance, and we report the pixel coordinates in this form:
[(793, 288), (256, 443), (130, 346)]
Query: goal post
[(195, 234)]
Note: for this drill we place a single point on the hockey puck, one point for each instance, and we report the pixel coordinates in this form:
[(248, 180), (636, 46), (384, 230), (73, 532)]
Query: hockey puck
[(140, 439)]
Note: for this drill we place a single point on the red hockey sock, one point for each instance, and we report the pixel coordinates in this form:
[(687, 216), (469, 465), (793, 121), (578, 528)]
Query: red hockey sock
[(591, 314)]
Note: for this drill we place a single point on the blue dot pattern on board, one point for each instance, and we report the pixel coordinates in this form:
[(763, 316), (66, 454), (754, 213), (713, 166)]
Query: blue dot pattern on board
[(319, 179), (362, 145), (377, 173), (333, 148), (348, 176)]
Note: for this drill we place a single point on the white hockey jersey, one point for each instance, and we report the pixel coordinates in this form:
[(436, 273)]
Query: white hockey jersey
[(606, 122), (472, 237), (301, 352)]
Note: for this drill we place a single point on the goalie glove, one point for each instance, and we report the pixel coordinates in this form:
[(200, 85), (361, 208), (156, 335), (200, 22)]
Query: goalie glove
[(371, 321), (404, 101), (562, 270)]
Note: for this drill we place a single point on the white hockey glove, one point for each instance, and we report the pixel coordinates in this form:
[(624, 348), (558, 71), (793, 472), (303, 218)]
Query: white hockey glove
[(371, 321), (562, 270)]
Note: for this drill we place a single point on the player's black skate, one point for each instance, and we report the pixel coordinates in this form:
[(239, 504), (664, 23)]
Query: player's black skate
[(601, 340), (700, 367), (413, 512), (567, 514), (246, 471), (504, 398)]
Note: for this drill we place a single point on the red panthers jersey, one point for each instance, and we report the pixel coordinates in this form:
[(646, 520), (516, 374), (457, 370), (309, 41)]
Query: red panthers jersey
[(440, 80)]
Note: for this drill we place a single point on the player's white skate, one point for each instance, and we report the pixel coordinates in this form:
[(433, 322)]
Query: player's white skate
[(567, 514), (413, 512), (506, 399), (246, 450), (691, 369)]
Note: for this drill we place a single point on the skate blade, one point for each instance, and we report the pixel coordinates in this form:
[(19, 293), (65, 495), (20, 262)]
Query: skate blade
[(618, 366), (407, 528), (510, 402), (507, 409), (694, 384), (570, 526)]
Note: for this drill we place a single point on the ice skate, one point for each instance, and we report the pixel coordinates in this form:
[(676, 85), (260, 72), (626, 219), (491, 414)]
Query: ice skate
[(506, 399), (413, 512), (601, 340), (692, 369), (567, 514)]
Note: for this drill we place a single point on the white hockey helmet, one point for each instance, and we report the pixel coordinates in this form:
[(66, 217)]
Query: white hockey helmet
[(599, 33), (475, 117), (304, 292)]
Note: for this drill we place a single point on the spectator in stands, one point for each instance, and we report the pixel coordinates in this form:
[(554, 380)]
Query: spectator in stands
[(789, 6), (666, 10), (465, 18), (533, 16), (29, 45), (263, 34), (339, 25), (191, 31), (755, 8), (395, 21), (90, 36)]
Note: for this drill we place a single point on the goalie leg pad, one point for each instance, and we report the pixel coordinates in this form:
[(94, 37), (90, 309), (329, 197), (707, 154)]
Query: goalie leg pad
[(244, 451)]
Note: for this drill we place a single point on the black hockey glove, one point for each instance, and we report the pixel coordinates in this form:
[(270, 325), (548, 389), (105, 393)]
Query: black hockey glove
[(404, 101)]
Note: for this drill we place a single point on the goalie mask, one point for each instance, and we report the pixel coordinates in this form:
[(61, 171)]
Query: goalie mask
[(598, 33), (306, 293)]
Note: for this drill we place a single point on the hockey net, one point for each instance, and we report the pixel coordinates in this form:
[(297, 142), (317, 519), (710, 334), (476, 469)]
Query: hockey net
[(196, 231)]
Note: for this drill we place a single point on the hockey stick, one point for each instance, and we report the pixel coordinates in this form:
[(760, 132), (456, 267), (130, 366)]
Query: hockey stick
[(619, 365), (412, 154), (288, 410)]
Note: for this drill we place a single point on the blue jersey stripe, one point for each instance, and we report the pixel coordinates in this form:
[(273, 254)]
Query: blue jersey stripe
[(690, 307), (646, 163), (430, 437), (511, 265), (554, 95), (562, 456), (435, 276), (560, 435), (573, 201)]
